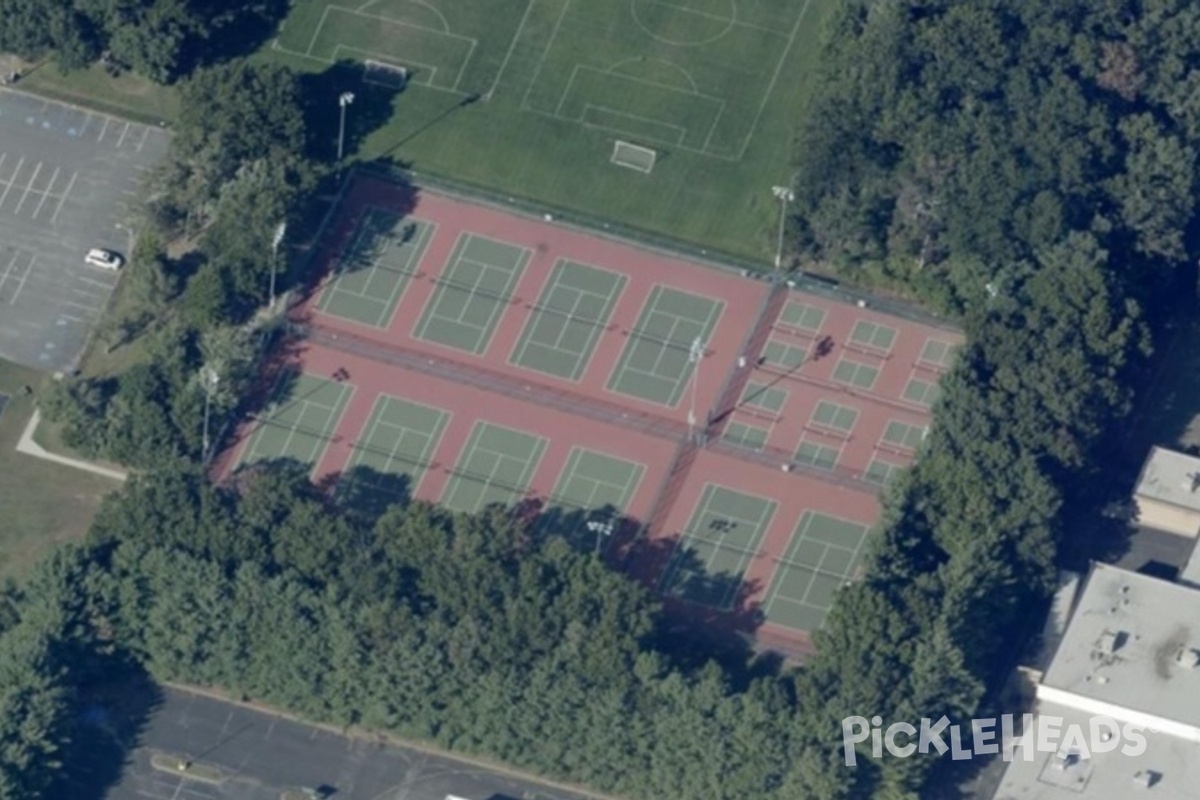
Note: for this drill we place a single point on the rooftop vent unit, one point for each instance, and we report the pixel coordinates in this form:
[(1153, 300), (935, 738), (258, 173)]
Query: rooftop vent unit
[(1111, 642), (1066, 759), (1188, 658), (1191, 482), (1145, 778)]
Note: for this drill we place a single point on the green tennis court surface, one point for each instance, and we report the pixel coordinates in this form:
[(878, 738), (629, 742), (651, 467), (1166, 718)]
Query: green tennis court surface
[(496, 466), (571, 313), (300, 420), (717, 546), (472, 293), (383, 254), (399, 440), (594, 480), (656, 363), (820, 558)]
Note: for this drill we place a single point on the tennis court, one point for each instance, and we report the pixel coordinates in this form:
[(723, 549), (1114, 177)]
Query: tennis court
[(400, 439), (300, 420), (383, 254), (821, 556), (712, 554), (496, 466), (657, 361), (593, 480), (472, 293), (570, 315)]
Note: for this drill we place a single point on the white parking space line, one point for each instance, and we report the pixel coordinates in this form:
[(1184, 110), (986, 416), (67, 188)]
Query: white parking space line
[(8, 184), (70, 318), (104, 129), (21, 285), (8, 269), (28, 186), (46, 193), (145, 136), (62, 199), (3, 157), (87, 120), (121, 139)]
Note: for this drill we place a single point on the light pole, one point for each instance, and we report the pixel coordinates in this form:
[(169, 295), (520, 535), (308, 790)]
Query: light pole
[(601, 529), (785, 196), (695, 355), (280, 230), (210, 378), (344, 100)]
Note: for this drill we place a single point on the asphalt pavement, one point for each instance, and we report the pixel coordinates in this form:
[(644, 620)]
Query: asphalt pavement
[(69, 182), (263, 756)]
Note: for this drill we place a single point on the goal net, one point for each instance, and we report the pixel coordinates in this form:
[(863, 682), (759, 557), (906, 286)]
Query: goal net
[(382, 73), (633, 156)]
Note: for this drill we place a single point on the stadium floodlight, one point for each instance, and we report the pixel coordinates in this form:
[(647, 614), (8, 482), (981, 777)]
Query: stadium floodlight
[(344, 100), (276, 240), (785, 195), (209, 378), (695, 356), (602, 529)]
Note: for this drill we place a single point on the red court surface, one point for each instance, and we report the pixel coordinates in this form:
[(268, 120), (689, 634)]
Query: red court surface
[(804, 402)]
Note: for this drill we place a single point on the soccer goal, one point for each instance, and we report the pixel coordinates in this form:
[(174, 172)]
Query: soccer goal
[(380, 73), (633, 156)]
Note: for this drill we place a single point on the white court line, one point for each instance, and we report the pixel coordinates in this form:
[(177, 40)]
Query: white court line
[(121, 138), (511, 47), (24, 277), (28, 186), (46, 193), (9, 183), (62, 199)]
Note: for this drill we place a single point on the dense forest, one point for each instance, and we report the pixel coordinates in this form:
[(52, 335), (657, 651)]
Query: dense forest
[(1026, 167)]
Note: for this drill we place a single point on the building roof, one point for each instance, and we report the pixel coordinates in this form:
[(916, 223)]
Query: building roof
[(1190, 574), (1174, 762), (1171, 477), (1123, 644)]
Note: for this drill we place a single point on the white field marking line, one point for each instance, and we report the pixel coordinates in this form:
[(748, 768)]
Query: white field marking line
[(358, 54), (537, 73), (713, 128), (566, 92), (636, 60), (774, 79), (737, 23), (512, 46), (103, 130), (363, 8), (462, 70), (585, 120), (121, 138), (402, 23), (46, 193), (317, 33), (10, 182), (28, 186), (21, 284)]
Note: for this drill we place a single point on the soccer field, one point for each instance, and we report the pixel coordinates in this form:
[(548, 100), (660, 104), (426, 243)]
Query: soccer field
[(531, 97)]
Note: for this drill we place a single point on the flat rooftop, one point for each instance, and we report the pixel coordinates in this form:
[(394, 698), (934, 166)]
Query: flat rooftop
[(1122, 643), (1171, 477), (1175, 763)]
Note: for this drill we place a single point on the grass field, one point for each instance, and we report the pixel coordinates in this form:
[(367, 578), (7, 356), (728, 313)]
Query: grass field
[(43, 504), (711, 85)]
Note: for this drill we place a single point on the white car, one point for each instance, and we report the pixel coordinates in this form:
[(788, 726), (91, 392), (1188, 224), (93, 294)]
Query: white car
[(104, 259)]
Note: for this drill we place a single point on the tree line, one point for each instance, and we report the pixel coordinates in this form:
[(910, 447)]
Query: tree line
[(1025, 167)]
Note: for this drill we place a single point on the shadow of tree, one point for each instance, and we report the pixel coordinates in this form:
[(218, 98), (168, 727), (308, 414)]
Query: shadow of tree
[(373, 107), (239, 29), (113, 715)]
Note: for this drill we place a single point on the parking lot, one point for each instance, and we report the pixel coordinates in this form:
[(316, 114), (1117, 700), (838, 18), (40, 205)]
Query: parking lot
[(68, 182), (260, 756)]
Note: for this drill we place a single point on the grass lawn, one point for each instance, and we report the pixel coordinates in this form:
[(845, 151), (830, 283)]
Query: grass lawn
[(711, 85), (41, 504), (526, 98), (126, 96)]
